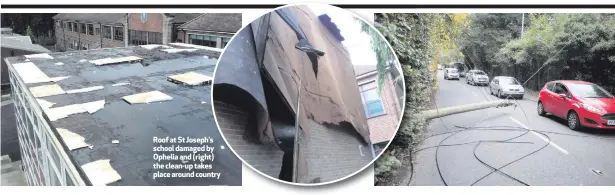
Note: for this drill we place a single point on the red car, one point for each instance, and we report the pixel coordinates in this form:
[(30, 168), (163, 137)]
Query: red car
[(582, 104)]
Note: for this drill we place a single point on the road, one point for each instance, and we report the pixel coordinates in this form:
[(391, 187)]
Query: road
[(557, 157)]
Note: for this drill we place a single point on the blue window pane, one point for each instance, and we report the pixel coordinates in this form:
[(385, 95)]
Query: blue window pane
[(375, 108)]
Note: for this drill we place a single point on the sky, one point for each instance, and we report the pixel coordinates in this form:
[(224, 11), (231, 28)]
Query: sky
[(357, 43)]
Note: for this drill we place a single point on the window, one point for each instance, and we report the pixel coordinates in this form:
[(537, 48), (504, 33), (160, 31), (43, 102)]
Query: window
[(204, 40), (74, 26), (372, 103), (83, 28), (118, 33), (550, 86), (90, 29), (97, 31), (589, 91), (561, 89), (64, 25), (144, 38), (225, 41), (107, 32)]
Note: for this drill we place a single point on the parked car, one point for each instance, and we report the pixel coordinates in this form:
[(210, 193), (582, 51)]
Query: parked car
[(451, 73), (477, 77), (505, 86), (462, 73), (582, 104)]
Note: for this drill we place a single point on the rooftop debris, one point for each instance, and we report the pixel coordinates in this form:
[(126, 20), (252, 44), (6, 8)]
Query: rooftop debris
[(105, 61), (197, 47), (100, 172), (120, 84), (115, 142), (64, 111), (45, 104), (174, 50), (154, 46), (83, 90), (46, 90), (30, 73), (190, 78), (72, 140), (59, 63), (40, 55), (148, 97)]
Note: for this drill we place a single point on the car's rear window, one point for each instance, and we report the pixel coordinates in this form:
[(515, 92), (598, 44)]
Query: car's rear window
[(480, 73), (509, 81)]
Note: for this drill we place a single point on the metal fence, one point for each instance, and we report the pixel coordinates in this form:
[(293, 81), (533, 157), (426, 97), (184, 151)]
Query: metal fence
[(44, 158)]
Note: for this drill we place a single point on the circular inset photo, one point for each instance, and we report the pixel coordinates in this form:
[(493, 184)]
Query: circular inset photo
[(308, 94)]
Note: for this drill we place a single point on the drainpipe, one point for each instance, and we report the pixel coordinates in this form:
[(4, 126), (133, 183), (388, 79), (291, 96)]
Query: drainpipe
[(125, 37), (296, 144), (100, 26), (64, 34), (371, 147), (78, 35)]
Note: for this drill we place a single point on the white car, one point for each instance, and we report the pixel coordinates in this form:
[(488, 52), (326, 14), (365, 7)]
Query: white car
[(451, 73), (504, 87), (477, 77)]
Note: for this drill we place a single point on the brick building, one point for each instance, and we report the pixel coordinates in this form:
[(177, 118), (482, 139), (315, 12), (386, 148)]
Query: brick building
[(383, 110), (212, 30), (83, 31)]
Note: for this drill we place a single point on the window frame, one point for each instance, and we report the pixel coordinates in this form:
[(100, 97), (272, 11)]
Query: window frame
[(215, 41), (90, 31), (83, 28), (121, 34), (368, 115), (104, 32)]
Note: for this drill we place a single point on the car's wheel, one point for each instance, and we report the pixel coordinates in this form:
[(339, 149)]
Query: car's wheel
[(573, 121), (490, 91), (541, 109), (499, 94)]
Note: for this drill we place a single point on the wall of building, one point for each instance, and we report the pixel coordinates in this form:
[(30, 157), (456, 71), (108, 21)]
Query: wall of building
[(233, 123), (331, 152), (184, 35), (154, 22), (65, 36), (387, 122)]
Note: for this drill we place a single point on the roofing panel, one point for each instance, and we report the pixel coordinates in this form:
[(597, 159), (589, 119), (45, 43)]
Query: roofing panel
[(215, 22)]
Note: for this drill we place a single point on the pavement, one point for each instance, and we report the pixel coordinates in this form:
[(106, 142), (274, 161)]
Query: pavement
[(552, 155)]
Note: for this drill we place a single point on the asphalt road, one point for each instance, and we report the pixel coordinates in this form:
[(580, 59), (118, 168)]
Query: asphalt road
[(557, 157)]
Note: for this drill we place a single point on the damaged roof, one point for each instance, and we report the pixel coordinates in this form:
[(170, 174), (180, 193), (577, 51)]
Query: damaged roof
[(105, 18), (329, 90), (215, 22), (93, 101)]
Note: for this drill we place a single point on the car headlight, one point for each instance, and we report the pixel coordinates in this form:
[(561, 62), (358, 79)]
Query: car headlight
[(592, 109)]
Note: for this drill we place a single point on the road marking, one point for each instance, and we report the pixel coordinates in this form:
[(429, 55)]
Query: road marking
[(541, 137), (474, 93)]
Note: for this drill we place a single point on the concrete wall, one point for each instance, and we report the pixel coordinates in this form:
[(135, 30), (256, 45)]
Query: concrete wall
[(385, 124), (233, 123), (63, 35)]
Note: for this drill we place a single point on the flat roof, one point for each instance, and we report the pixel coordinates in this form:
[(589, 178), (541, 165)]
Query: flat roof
[(189, 113)]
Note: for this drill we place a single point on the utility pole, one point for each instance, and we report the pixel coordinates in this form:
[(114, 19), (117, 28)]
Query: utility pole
[(522, 22)]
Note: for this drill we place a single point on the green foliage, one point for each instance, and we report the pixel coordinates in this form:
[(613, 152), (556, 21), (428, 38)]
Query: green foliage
[(409, 35), (562, 46), (384, 56)]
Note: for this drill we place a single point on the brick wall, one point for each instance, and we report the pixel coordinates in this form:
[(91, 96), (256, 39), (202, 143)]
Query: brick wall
[(331, 152), (233, 123), (384, 127), (154, 22), (63, 35)]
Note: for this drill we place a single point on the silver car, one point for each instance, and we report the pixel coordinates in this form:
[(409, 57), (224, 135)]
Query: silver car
[(504, 87), (477, 77), (451, 73)]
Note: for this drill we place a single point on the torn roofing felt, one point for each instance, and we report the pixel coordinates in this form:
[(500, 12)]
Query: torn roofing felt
[(330, 94)]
